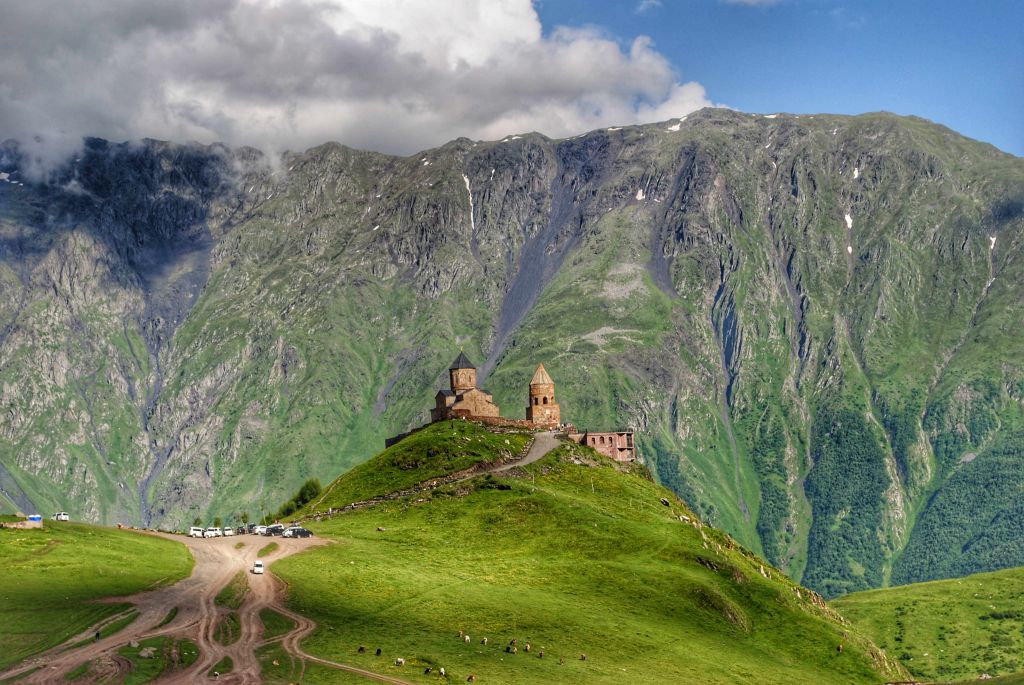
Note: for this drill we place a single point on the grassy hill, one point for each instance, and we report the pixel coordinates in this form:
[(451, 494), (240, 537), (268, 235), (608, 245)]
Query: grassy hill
[(573, 555), (52, 577), (948, 629)]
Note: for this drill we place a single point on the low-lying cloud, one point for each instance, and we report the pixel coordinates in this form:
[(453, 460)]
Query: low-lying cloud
[(389, 75)]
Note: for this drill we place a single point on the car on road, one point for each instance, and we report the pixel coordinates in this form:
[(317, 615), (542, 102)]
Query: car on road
[(259, 530), (61, 516), (251, 528), (228, 531), (257, 567), (240, 530), (275, 529), (297, 532), (212, 533), (196, 532)]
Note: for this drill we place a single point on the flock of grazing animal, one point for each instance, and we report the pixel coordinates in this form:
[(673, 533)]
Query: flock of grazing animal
[(511, 648)]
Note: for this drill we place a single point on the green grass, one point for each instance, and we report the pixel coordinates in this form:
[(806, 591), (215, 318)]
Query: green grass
[(78, 671), (275, 624), (223, 666), (10, 518), (53, 575), (437, 450), (575, 559), (288, 671), (233, 594), (229, 629), (169, 655), (239, 545), (111, 628), (948, 629), (267, 549), (168, 618)]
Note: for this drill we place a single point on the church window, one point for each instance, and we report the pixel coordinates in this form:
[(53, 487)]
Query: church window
[(545, 400)]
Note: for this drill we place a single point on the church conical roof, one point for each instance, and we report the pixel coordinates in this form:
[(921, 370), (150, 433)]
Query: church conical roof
[(541, 377), (461, 362)]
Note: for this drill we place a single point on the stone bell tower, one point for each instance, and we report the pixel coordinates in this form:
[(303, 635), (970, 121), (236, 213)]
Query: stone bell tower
[(542, 410), (462, 374)]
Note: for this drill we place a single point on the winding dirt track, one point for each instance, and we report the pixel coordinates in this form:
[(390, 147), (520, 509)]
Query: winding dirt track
[(217, 562)]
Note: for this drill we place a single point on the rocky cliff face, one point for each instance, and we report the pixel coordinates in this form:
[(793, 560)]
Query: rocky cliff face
[(813, 322)]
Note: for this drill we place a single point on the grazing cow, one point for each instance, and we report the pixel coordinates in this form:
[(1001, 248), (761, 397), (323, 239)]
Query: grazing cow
[(466, 639), (513, 641), (471, 678), (428, 670), (443, 674), (399, 661), (526, 648), (362, 649), (508, 649), (583, 657), (484, 641), (540, 655), (515, 650), (378, 651)]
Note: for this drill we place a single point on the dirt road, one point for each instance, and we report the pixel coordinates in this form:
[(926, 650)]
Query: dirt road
[(197, 617)]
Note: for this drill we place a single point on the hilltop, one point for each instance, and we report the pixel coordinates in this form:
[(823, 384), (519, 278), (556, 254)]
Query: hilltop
[(810, 321), (573, 554)]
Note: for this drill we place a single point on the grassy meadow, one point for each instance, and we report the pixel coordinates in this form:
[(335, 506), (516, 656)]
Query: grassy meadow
[(52, 577), (948, 630), (577, 558)]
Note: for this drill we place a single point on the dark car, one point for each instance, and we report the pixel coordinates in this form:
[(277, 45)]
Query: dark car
[(251, 527), (240, 530), (297, 532), (275, 529)]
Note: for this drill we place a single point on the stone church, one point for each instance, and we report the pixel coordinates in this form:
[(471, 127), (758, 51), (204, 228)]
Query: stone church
[(464, 400)]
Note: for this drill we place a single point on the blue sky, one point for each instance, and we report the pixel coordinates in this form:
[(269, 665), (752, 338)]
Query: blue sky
[(960, 64)]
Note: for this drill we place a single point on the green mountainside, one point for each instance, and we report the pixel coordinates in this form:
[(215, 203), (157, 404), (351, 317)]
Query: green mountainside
[(948, 629), (572, 555), (813, 324)]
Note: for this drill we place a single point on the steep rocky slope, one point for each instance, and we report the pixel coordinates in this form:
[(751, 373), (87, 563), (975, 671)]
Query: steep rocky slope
[(813, 322)]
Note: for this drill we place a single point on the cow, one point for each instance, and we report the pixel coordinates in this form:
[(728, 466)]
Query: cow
[(583, 657), (540, 655), (526, 647), (484, 641), (466, 639), (443, 674), (399, 661), (471, 678), (428, 670), (378, 651), (362, 649)]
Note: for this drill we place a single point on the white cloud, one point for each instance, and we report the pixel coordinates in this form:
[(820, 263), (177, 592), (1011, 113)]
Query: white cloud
[(389, 75), (752, 3), (645, 5)]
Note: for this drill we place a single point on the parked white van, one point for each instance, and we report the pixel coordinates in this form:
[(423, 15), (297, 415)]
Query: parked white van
[(257, 567), (195, 532), (212, 533)]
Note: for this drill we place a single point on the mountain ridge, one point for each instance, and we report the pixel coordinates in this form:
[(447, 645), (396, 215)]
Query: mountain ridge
[(234, 329)]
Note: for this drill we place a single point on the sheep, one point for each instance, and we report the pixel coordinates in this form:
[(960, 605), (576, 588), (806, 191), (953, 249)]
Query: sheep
[(362, 649), (540, 655), (378, 651), (462, 634), (443, 674), (508, 649), (839, 649), (583, 657), (466, 639), (484, 641), (428, 670), (526, 648), (471, 678), (561, 660), (515, 650), (513, 641), (399, 661)]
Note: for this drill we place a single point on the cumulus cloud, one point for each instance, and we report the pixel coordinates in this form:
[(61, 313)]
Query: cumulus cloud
[(389, 75)]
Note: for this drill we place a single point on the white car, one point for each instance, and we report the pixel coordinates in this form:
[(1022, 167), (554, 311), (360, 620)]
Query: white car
[(196, 532), (212, 533), (257, 567), (259, 530), (228, 531), (61, 516)]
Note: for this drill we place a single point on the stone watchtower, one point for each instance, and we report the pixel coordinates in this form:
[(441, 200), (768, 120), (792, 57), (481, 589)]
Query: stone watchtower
[(462, 374), (542, 410)]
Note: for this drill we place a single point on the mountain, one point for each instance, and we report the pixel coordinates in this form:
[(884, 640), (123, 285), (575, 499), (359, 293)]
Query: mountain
[(571, 555), (812, 322)]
